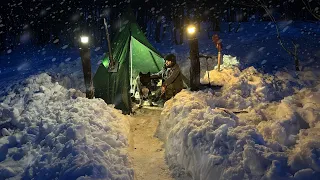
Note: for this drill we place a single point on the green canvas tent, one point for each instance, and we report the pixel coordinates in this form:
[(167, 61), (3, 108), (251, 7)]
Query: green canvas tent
[(134, 54)]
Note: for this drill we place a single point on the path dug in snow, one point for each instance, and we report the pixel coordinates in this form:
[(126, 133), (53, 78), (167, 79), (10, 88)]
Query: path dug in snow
[(145, 150)]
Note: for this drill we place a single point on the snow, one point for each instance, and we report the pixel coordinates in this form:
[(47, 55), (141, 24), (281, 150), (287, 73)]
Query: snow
[(207, 142), (49, 130), (228, 61), (65, 47), (277, 138), (54, 132), (244, 89)]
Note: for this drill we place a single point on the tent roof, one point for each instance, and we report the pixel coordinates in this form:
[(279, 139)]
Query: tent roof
[(130, 22), (126, 27)]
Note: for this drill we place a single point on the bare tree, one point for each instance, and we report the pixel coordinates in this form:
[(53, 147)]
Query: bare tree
[(292, 52), (315, 12)]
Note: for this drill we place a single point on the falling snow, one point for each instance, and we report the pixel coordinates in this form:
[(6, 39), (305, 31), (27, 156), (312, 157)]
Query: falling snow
[(276, 138), (65, 47)]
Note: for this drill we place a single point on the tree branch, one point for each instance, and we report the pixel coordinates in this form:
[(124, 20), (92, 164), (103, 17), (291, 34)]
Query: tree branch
[(317, 16), (292, 53)]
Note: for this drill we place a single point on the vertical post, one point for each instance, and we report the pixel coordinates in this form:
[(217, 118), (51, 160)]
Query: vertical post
[(219, 60), (111, 64), (195, 65), (86, 66), (194, 57), (132, 90), (218, 44)]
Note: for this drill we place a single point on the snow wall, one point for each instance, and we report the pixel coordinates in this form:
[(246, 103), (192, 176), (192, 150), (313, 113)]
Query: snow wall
[(277, 137), (50, 132)]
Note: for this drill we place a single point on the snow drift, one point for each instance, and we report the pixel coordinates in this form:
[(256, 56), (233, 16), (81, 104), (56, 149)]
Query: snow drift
[(244, 89), (49, 132), (274, 140)]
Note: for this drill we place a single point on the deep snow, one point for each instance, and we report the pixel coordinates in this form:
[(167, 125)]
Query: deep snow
[(274, 140), (53, 132)]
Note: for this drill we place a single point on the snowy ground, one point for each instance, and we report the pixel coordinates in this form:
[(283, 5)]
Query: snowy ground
[(146, 151)]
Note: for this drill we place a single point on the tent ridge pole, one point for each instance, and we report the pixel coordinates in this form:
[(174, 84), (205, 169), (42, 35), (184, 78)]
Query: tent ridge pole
[(131, 68)]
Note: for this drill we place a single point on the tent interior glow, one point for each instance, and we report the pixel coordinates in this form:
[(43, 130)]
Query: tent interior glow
[(191, 29), (84, 39)]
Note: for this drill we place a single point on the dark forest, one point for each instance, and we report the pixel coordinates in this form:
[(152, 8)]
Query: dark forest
[(44, 21)]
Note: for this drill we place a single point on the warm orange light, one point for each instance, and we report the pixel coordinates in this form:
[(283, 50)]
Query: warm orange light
[(191, 29)]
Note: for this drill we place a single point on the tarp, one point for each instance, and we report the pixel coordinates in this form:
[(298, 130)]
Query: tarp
[(135, 54)]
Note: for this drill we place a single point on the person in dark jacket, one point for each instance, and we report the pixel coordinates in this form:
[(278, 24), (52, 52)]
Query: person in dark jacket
[(172, 78)]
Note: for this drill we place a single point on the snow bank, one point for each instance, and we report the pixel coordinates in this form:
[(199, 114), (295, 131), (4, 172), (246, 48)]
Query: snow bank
[(246, 89), (207, 142), (300, 111), (228, 61), (49, 132), (276, 139), (69, 75), (304, 158)]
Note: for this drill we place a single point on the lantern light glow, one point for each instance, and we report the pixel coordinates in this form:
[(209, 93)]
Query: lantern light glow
[(84, 39), (191, 29)]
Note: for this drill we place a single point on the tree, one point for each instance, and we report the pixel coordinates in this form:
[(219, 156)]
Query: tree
[(316, 11), (292, 52)]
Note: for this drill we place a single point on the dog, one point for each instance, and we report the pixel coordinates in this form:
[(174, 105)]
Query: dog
[(144, 88)]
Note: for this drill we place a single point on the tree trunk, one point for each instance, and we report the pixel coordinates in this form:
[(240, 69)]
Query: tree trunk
[(216, 26), (175, 35), (157, 31), (297, 63), (229, 26), (209, 29), (238, 27), (175, 26), (181, 32), (164, 31)]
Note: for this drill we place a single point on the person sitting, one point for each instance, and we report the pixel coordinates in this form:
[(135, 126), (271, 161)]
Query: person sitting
[(172, 79)]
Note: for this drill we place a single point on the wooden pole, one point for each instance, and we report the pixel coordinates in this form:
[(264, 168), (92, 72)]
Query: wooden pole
[(109, 44), (219, 60), (218, 44), (86, 67), (195, 65)]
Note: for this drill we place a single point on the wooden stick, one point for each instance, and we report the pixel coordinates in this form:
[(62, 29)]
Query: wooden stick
[(219, 60), (217, 42), (111, 62)]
